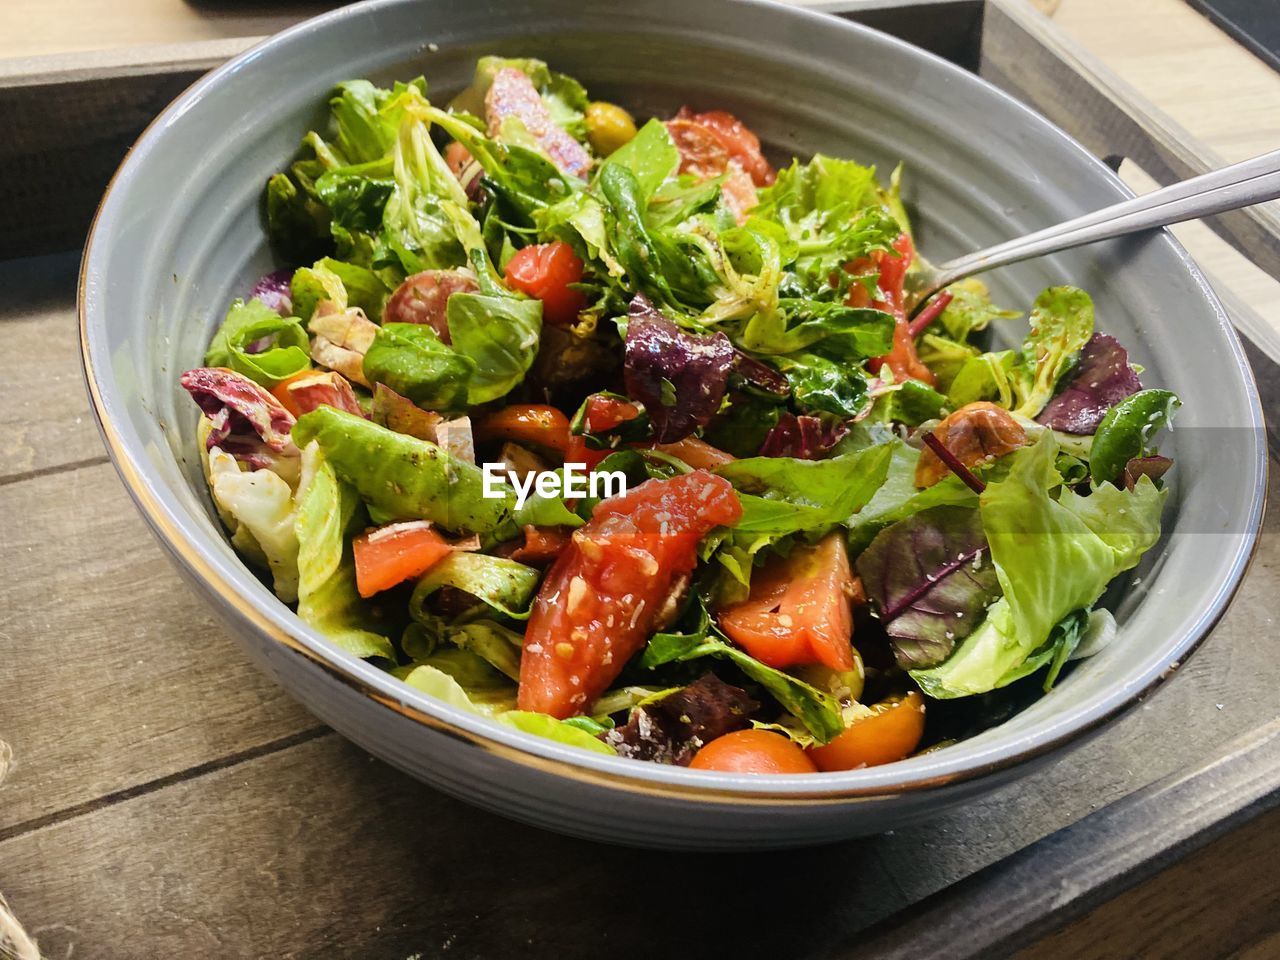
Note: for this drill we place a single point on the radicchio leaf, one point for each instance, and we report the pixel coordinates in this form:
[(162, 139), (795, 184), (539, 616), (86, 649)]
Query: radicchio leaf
[(673, 729), (679, 377), (248, 422), (1102, 379), (273, 291), (929, 578), (324, 388), (803, 437)]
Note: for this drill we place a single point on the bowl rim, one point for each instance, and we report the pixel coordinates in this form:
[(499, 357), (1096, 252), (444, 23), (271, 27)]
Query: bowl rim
[(281, 624)]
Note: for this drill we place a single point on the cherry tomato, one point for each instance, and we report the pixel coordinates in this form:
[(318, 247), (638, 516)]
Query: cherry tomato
[(800, 609), (702, 154), (396, 553), (604, 412), (602, 596), (752, 751), (975, 434), (891, 733), (529, 424), (544, 271)]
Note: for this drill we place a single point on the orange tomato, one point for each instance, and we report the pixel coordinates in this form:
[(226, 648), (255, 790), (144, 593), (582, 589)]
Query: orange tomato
[(529, 424), (800, 609), (891, 733), (604, 413), (902, 358), (395, 553), (281, 391), (545, 271), (752, 751)]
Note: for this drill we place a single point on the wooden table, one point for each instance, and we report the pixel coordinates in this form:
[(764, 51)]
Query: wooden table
[(166, 800)]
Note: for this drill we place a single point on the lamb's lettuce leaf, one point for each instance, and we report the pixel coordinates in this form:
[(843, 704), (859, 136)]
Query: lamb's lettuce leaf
[(250, 323), (411, 359)]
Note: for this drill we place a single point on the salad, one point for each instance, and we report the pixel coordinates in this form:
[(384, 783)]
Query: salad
[(619, 435)]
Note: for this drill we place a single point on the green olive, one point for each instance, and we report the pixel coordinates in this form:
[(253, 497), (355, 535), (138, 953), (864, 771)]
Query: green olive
[(608, 127)]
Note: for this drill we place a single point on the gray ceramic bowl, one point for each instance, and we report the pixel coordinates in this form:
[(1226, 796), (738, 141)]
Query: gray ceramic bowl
[(179, 234)]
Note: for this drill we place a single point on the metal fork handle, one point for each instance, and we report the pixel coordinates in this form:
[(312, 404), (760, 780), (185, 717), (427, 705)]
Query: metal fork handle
[(1238, 185)]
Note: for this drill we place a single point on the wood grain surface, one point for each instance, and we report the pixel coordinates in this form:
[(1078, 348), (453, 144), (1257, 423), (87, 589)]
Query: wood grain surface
[(167, 801)]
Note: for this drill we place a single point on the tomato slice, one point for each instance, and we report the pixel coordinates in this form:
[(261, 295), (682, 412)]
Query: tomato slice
[(902, 359), (530, 424), (545, 271), (800, 609), (395, 553), (752, 751), (738, 142), (281, 391), (579, 452), (891, 733), (602, 596)]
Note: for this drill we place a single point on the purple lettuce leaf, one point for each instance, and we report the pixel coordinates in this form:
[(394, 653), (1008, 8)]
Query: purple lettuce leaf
[(803, 437), (679, 377), (248, 422), (273, 291), (673, 729), (760, 375), (1101, 380), (929, 578)]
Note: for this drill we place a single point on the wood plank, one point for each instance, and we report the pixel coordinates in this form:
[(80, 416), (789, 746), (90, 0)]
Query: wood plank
[(1183, 912), (37, 27), (317, 852), (114, 673), (45, 421)]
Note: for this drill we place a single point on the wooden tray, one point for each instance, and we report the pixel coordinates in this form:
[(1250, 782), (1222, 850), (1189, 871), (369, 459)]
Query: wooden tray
[(168, 801)]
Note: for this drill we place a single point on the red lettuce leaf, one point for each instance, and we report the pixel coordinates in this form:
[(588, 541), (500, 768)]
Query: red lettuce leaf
[(679, 377), (248, 422), (1101, 380), (273, 291), (929, 578), (803, 437)]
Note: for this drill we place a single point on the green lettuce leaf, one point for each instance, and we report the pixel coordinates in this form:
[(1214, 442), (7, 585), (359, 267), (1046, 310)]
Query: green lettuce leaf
[(499, 336), (1052, 557), (1061, 324), (411, 359), (1126, 432), (328, 511), (249, 322), (503, 586)]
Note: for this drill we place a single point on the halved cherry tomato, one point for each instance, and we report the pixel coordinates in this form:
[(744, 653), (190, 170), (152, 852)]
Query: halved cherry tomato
[(891, 733), (696, 453), (752, 751), (530, 424), (604, 412), (544, 271), (396, 553), (281, 391), (800, 609), (601, 598), (977, 433)]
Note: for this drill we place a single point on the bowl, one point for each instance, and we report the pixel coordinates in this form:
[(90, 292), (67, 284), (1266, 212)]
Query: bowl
[(179, 234)]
